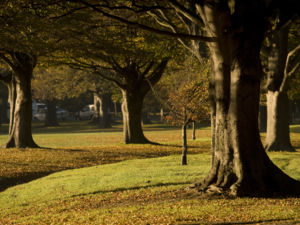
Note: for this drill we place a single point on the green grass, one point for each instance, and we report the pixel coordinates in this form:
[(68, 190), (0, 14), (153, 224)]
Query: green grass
[(126, 184), (83, 134), (137, 192), (130, 174)]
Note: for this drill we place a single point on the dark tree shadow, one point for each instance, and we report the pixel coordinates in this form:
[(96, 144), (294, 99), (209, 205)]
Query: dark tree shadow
[(6, 182)]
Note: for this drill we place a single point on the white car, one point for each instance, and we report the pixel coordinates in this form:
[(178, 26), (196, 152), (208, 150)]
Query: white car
[(87, 112)]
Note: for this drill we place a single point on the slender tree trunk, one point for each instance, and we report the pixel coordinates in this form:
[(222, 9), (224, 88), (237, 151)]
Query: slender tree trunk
[(194, 130), (278, 131), (97, 103), (162, 118), (240, 165), (51, 117), (184, 146), (132, 114)]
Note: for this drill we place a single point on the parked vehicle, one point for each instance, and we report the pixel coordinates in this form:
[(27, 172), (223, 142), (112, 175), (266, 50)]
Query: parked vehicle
[(87, 112), (37, 107), (40, 115), (60, 113)]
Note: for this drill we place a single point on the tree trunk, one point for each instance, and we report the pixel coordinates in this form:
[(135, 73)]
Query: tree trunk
[(145, 118), (278, 131), (105, 120), (3, 104), (20, 134), (96, 116), (240, 166), (20, 99), (132, 114), (51, 117), (101, 114), (162, 117), (194, 130), (262, 118), (184, 146)]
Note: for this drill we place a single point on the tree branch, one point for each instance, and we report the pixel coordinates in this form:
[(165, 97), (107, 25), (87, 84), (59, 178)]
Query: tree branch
[(286, 73), (100, 73), (150, 29), (154, 77), (186, 12)]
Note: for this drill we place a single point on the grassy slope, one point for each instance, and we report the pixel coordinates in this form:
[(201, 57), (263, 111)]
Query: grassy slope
[(139, 191), (93, 196)]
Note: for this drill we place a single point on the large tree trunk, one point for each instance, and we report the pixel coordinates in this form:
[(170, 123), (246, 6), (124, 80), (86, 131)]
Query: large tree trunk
[(132, 115), (101, 114), (145, 117), (278, 131), (51, 117), (20, 99), (240, 166), (262, 118)]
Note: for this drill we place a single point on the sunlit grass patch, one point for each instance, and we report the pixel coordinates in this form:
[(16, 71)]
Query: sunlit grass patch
[(131, 174), (145, 191)]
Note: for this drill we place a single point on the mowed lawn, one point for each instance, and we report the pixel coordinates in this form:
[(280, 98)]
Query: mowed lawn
[(139, 184)]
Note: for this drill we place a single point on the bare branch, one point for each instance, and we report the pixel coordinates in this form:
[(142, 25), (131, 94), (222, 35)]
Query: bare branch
[(293, 69), (186, 12), (287, 62), (150, 29), (288, 58)]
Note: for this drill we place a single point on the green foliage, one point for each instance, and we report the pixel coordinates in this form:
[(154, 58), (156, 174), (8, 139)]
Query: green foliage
[(187, 91)]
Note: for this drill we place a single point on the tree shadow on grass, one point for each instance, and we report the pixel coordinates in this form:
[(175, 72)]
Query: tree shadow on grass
[(131, 188), (6, 182), (270, 221)]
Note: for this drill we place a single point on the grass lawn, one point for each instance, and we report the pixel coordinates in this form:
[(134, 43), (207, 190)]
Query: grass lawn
[(126, 184)]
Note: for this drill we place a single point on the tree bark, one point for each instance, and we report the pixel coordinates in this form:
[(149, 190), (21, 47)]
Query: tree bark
[(132, 114), (3, 104), (194, 130), (51, 117), (278, 131), (240, 166), (162, 117), (145, 117), (134, 86), (20, 99), (101, 115), (184, 146), (262, 118)]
